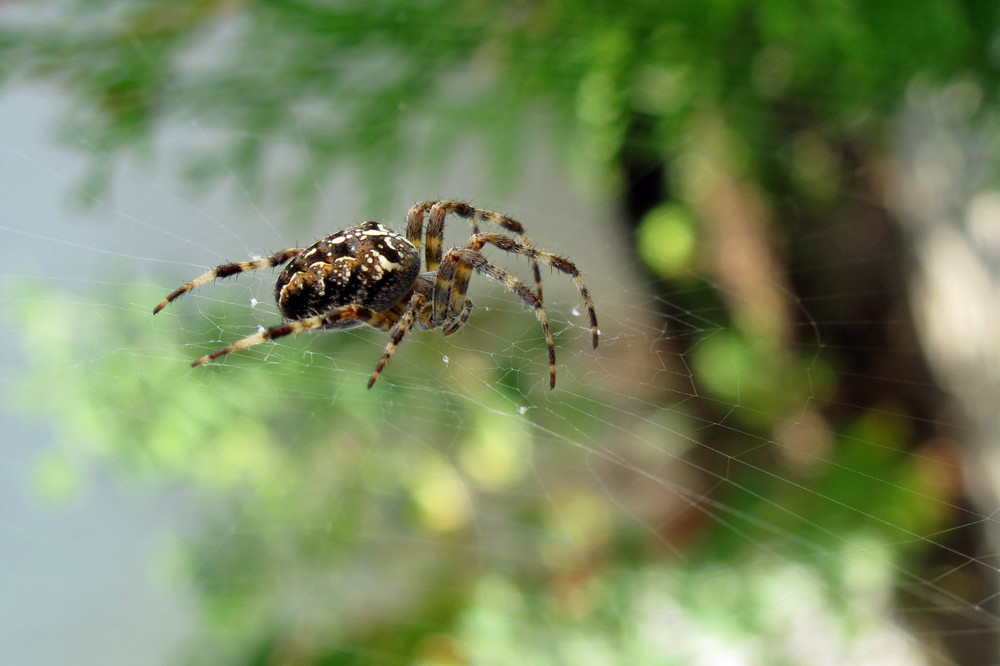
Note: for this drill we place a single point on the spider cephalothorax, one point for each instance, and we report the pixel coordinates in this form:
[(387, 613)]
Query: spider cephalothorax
[(368, 274)]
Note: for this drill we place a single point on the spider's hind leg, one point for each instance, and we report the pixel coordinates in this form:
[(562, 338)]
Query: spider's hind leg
[(225, 270), (332, 319), (399, 330)]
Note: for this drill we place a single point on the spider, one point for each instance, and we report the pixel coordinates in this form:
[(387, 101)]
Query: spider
[(368, 274)]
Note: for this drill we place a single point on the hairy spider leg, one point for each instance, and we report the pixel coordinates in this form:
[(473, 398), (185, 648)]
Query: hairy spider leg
[(506, 244), (435, 230), (383, 322), (425, 316), (453, 283), (402, 327), (459, 305), (225, 270), (443, 293), (460, 320)]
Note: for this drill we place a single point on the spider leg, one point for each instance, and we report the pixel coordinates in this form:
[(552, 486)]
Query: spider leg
[(415, 223), (401, 329), (225, 270), (453, 283), (435, 230), (477, 242), (325, 320), (450, 292), (459, 320)]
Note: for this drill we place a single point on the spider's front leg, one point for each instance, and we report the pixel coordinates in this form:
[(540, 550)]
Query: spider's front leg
[(329, 319), (453, 283), (477, 242), (459, 320), (476, 216), (451, 307)]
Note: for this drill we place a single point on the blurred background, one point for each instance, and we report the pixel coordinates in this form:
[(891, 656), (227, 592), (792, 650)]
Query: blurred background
[(784, 450)]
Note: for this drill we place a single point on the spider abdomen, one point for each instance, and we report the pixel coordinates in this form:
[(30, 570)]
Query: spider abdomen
[(367, 265)]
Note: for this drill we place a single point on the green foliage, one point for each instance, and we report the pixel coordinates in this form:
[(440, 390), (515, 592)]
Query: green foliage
[(666, 241), (346, 517), (380, 85), (764, 93)]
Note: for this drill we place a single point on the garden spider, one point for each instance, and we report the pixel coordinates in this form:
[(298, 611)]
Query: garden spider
[(368, 274)]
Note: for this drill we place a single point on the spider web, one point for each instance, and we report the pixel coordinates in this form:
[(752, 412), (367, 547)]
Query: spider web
[(642, 507)]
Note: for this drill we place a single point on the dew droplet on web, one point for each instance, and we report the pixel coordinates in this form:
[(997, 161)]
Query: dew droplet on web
[(576, 312), (445, 359), (260, 329), (522, 409), (253, 302)]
